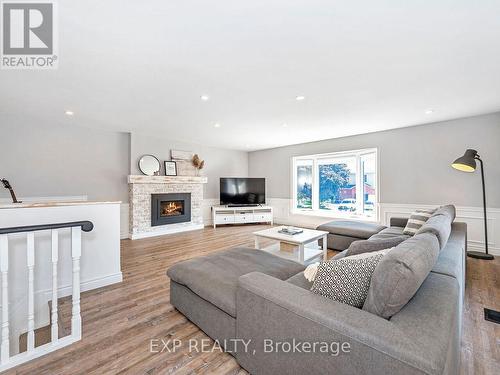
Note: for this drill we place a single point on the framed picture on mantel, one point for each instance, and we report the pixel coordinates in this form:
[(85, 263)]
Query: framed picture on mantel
[(170, 168)]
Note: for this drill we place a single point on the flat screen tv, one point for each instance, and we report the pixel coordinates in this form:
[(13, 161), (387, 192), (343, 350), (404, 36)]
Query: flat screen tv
[(242, 191)]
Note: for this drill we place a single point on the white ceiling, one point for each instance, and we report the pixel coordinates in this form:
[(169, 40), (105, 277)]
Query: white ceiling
[(362, 65)]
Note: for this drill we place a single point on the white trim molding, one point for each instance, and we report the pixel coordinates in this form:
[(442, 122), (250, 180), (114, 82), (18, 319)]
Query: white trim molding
[(282, 208), (472, 216), (62, 198)]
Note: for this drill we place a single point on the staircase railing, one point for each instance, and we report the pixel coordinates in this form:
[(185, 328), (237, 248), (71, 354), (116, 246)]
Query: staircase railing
[(6, 360)]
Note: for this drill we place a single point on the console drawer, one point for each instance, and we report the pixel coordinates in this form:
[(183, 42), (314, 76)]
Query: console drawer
[(263, 217), (243, 218), (224, 219)]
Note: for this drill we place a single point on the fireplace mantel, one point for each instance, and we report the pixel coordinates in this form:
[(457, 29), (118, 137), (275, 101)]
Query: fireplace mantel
[(137, 179)]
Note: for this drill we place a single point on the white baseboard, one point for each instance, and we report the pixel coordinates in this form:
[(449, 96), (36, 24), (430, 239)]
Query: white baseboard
[(473, 216), (44, 296), (89, 285), (163, 231)]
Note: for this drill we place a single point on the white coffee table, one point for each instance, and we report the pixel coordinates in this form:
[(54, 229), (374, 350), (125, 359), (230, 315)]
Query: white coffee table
[(305, 243)]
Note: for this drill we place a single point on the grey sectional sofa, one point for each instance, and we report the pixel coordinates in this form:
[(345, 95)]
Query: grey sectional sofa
[(250, 295)]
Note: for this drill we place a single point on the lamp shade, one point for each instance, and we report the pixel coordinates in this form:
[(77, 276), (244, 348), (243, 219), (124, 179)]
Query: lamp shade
[(467, 162)]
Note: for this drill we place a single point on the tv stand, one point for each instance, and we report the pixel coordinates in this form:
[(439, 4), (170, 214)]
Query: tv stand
[(242, 205), (241, 215)]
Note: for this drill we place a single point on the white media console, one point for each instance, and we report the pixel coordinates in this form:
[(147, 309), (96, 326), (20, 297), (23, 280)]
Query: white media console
[(241, 215)]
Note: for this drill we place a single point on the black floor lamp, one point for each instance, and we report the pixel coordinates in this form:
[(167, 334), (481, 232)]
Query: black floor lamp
[(467, 163)]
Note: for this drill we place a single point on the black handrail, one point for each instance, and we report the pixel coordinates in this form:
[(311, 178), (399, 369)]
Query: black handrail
[(86, 226)]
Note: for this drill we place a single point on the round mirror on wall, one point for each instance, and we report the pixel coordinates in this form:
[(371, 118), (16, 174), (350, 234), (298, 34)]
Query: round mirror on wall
[(149, 165)]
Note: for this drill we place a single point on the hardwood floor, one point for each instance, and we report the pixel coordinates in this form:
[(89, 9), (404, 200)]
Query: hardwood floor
[(120, 321), (480, 338)]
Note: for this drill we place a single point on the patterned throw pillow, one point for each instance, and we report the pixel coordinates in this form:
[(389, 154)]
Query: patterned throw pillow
[(347, 280), (416, 220)]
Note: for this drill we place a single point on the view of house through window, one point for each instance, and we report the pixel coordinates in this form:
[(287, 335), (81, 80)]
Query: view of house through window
[(338, 184)]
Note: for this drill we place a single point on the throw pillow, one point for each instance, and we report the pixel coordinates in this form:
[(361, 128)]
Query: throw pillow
[(400, 273), (310, 271), (367, 246), (347, 280), (416, 220)]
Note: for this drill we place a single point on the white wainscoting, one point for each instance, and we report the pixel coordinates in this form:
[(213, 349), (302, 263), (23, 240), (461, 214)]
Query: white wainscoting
[(473, 216)]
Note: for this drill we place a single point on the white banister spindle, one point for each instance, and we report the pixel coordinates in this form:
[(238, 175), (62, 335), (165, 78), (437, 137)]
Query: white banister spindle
[(4, 270), (6, 360), (31, 289), (76, 251), (54, 329)]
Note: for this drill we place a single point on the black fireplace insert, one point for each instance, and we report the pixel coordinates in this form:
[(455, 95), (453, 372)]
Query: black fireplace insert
[(170, 208)]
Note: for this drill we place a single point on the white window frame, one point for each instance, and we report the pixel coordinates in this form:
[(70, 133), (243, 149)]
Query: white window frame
[(316, 211)]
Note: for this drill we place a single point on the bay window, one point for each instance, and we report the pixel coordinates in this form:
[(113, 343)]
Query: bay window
[(340, 184)]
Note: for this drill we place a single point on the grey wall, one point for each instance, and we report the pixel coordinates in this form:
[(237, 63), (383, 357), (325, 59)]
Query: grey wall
[(414, 162), (218, 162), (62, 160), (42, 161)]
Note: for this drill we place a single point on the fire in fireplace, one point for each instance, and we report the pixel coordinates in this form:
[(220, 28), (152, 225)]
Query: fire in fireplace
[(170, 208)]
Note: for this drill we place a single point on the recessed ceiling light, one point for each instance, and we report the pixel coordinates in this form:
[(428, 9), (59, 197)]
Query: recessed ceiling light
[(69, 113), (429, 111), (217, 125), (284, 125), (205, 98), (300, 97)]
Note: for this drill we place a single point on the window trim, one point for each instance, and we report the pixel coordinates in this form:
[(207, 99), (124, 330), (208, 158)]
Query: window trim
[(315, 192)]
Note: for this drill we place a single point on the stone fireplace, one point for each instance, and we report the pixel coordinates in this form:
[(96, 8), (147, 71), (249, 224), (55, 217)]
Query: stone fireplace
[(170, 208), (164, 204)]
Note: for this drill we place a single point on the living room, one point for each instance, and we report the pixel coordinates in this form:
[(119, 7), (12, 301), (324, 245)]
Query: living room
[(287, 163)]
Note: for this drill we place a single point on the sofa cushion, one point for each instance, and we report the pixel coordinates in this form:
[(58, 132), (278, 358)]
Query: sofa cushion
[(451, 258), (215, 277), (416, 220), (448, 210), (300, 281), (338, 242), (366, 246), (354, 229), (400, 273), (389, 233), (347, 280), (440, 226)]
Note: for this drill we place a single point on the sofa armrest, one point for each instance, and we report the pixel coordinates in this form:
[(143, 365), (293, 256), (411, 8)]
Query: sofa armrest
[(398, 222), (270, 310)]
